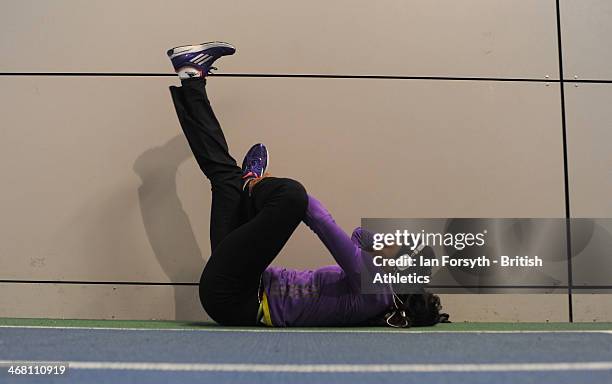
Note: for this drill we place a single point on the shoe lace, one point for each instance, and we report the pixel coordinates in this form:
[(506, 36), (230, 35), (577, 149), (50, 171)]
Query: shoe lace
[(210, 70)]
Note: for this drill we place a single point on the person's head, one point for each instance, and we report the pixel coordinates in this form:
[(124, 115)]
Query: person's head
[(421, 309), (414, 310)]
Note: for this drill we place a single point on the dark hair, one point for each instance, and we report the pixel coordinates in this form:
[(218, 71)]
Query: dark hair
[(422, 310), (413, 310)]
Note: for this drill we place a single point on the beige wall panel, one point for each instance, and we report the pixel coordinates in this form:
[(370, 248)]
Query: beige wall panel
[(181, 303), (125, 302), (592, 307), (586, 35), (506, 307), (589, 134), (490, 38), (98, 183)]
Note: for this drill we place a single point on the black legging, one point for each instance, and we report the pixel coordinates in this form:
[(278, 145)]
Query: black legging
[(246, 232)]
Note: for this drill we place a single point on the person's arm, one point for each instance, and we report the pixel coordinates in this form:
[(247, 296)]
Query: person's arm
[(345, 251)]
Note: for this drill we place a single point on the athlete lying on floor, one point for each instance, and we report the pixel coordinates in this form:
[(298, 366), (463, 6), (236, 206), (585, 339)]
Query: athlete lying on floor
[(253, 215)]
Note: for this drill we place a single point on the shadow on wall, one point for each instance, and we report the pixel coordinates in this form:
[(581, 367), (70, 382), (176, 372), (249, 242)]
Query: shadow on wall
[(167, 225)]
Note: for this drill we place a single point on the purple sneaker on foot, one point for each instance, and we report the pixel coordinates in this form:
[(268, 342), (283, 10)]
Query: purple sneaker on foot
[(255, 163), (196, 60)]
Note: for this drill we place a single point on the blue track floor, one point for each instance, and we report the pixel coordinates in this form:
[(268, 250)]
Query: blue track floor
[(325, 347)]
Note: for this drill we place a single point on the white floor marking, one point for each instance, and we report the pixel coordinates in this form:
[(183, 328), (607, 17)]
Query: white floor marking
[(298, 330), (337, 368)]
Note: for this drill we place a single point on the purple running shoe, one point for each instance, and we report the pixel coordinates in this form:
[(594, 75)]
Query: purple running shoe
[(255, 163), (196, 60)]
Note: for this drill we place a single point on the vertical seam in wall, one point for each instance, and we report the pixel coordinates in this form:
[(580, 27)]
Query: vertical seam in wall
[(568, 232)]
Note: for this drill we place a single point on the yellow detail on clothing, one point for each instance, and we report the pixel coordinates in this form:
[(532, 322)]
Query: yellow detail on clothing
[(267, 320)]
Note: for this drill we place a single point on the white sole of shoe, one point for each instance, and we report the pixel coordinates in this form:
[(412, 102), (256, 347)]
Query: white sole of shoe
[(176, 51)]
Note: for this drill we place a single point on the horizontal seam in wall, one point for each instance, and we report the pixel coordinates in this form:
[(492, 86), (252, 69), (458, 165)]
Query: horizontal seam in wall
[(312, 76), (78, 282), (272, 75)]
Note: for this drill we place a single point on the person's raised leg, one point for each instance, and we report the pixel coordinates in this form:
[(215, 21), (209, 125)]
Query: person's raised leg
[(205, 136)]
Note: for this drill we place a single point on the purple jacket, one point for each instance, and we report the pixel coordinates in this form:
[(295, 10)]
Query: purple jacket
[(328, 296)]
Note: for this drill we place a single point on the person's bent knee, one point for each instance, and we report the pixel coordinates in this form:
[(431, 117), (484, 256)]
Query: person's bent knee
[(295, 195)]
